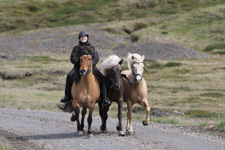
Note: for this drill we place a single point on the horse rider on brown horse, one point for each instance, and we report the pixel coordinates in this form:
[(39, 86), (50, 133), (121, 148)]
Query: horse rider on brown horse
[(73, 75)]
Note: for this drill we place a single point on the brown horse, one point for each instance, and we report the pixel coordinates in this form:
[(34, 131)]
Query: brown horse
[(135, 88), (85, 94), (111, 69)]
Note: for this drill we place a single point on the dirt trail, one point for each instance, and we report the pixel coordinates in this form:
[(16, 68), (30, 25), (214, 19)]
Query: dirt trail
[(28, 129)]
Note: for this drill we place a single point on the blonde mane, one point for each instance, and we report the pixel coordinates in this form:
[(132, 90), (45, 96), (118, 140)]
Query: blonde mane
[(131, 58), (110, 62)]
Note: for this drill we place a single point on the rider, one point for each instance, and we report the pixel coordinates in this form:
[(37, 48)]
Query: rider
[(74, 58)]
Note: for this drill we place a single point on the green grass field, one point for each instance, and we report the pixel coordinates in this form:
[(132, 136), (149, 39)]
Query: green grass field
[(195, 87)]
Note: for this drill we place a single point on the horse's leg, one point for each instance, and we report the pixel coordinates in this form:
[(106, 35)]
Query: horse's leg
[(101, 114), (129, 117), (89, 119), (104, 116), (119, 126), (77, 112), (81, 128), (144, 103)]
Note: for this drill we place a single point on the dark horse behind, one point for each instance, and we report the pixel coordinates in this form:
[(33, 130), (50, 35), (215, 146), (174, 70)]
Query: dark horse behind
[(111, 69)]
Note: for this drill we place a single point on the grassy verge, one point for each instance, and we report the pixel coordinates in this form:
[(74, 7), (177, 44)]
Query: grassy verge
[(4, 145), (194, 87)]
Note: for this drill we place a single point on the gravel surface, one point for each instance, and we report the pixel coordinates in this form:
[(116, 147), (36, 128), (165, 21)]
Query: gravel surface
[(54, 131)]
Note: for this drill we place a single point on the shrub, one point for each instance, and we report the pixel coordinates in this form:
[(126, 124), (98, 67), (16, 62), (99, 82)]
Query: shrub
[(221, 126), (215, 46), (220, 52), (134, 38), (138, 26), (172, 64), (32, 8)]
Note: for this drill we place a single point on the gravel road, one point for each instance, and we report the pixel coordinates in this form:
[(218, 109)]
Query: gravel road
[(29, 129)]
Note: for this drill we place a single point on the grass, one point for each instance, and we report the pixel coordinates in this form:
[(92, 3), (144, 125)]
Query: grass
[(215, 46), (195, 86), (4, 145), (191, 86)]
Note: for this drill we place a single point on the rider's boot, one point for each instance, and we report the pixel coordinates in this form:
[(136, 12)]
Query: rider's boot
[(67, 95)]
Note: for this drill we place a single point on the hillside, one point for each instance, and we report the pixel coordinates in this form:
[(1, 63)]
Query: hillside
[(195, 24)]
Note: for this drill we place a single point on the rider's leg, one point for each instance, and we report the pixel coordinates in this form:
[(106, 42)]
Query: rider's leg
[(69, 82), (101, 81)]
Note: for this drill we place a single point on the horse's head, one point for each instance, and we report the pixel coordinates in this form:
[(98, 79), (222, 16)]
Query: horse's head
[(114, 75), (136, 66), (111, 69), (85, 64)]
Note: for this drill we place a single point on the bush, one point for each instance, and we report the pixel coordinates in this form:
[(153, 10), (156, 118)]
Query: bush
[(134, 38), (32, 8), (138, 26), (173, 64), (221, 126), (215, 46), (220, 52)]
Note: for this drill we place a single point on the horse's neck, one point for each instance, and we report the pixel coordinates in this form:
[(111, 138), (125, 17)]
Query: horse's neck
[(87, 79)]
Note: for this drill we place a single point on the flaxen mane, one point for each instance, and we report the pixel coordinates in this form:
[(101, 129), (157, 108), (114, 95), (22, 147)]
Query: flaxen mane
[(110, 62), (131, 58)]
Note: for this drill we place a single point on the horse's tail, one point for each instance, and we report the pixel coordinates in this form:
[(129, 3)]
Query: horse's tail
[(67, 107)]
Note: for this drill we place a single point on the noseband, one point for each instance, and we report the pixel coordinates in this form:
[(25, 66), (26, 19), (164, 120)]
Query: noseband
[(135, 75)]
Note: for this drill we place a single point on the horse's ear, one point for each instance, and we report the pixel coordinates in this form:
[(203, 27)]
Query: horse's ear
[(121, 61), (143, 57), (132, 57)]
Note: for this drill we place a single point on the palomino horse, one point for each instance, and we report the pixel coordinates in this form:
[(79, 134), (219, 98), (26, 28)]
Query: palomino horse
[(135, 88), (85, 94), (111, 69)]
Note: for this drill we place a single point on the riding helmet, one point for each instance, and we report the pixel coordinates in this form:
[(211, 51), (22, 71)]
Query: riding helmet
[(82, 33)]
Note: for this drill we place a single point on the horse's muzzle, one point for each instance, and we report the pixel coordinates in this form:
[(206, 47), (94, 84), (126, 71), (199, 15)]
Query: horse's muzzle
[(83, 72), (138, 78)]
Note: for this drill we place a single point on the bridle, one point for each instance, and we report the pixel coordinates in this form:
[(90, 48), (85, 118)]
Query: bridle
[(135, 75), (89, 70)]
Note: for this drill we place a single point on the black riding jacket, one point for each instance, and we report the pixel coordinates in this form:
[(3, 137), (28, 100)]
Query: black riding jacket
[(83, 48)]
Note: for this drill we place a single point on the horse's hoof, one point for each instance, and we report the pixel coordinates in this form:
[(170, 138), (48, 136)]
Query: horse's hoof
[(121, 133), (145, 123), (103, 128), (130, 132), (80, 132), (90, 135), (73, 118), (118, 128)]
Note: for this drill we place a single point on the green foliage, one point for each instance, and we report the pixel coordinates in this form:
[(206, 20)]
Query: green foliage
[(220, 52), (134, 38), (40, 59), (215, 95), (215, 46), (138, 26), (221, 126), (54, 13), (32, 8), (201, 114), (172, 64), (171, 119)]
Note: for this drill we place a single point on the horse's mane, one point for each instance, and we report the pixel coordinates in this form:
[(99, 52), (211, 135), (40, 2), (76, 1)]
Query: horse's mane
[(131, 58), (110, 62)]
